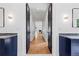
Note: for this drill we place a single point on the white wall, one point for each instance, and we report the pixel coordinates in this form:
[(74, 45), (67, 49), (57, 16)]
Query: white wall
[(45, 26), (32, 28), (18, 25), (59, 26)]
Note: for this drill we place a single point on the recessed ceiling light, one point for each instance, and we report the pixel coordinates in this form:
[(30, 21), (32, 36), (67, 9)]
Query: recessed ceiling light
[(38, 8)]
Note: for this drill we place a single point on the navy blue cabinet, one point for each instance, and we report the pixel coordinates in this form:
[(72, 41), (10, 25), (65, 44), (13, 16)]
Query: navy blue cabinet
[(75, 47), (2, 47), (69, 44), (64, 46), (8, 46)]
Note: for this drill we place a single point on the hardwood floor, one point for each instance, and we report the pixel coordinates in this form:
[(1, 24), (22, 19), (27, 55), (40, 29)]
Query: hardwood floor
[(38, 45)]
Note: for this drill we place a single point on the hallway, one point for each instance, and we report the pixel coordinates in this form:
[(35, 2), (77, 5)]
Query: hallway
[(38, 45)]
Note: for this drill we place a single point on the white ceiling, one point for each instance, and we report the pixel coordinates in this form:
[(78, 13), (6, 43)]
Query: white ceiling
[(38, 10)]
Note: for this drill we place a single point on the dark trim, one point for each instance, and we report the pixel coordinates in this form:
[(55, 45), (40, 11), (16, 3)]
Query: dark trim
[(27, 25), (50, 26)]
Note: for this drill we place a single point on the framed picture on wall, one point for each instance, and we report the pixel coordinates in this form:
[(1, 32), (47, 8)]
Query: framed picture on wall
[(75, 17), (1, 17)]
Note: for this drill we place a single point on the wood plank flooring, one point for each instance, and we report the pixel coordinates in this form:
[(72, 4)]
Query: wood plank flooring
[(38, 45)]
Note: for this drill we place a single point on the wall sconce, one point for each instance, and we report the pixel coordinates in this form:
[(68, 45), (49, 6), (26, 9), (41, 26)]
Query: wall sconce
[(65, 18), (10, 17)]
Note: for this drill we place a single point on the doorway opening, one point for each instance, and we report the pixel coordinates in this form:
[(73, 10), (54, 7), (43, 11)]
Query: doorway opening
[(39, 28)]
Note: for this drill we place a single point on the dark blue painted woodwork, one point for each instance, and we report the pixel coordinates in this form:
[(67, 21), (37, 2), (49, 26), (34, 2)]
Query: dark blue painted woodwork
[(8, 47), (64, 46), (75, 47)]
